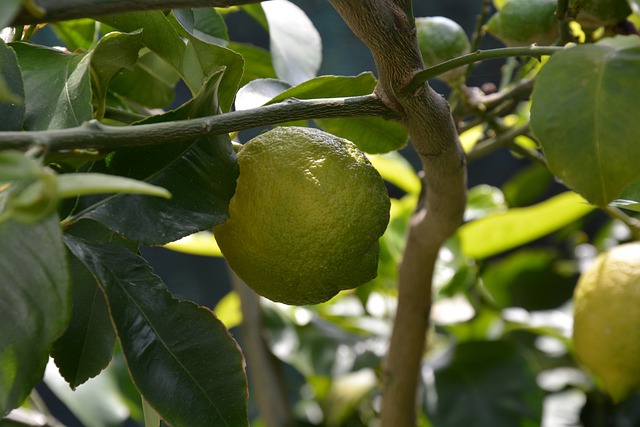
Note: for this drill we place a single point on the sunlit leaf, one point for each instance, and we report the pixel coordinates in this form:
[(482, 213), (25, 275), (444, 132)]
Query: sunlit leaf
[(483, 200), (584, 112), (173, 348), (35, 304), (228, 310), (397, 170), (500, 232), (202, 243), (296, 49), (57, 87), (259, 92)]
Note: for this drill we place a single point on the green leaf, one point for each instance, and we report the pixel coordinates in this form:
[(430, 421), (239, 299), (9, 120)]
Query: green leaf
[(57, 87), (81, 184), (532, 279), (483, 200), (330, 87), (527, 185), (257, 62), (371, 134), (200, 175), (500, 232), (396, 169), (161, 38), (86, 347), (34, 304), (495, 384), (113, 52), (584, 112), (12, 107), (206, 24), (296, 49), (172, 348), (213, 59), (150, 83), (8, 10), (77, 34)]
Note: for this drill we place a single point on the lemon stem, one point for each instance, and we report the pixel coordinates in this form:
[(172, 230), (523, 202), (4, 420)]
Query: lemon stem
[(421, 77)]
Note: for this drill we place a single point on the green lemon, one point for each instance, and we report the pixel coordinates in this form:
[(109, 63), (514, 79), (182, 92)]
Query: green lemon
[(525, 22), (606, 331), (441, 39), (592, 14), (306, 216)]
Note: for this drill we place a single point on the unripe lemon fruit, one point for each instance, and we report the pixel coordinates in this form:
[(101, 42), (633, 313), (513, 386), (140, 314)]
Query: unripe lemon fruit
[(441, 39), (306, 216), (525, 22), (606, 326)]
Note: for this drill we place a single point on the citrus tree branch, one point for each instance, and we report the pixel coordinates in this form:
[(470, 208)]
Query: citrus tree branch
[(387, 28), (480, 55), (61, 10), (96, 136)]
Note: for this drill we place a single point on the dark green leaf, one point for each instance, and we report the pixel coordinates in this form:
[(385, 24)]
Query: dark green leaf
[(206, 24), (86, 347), (584, 112), (181, 357), (150, 83), (527, 185), (57, 87), (532, 279), (113, 52), (200, 176), (296, 49), (34, 304), (257, 62), (77, 34), (487, 384), (12, 107)]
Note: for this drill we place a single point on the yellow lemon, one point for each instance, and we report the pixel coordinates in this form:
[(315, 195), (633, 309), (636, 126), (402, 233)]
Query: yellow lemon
[(607, 319), (306, 216)]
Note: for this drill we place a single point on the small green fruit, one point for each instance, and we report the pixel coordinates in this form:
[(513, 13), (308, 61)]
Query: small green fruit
[(525, 22), (442, 39), (592, 14)]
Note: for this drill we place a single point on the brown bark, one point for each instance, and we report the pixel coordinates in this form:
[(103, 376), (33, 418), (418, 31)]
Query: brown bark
[(387, 28)]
